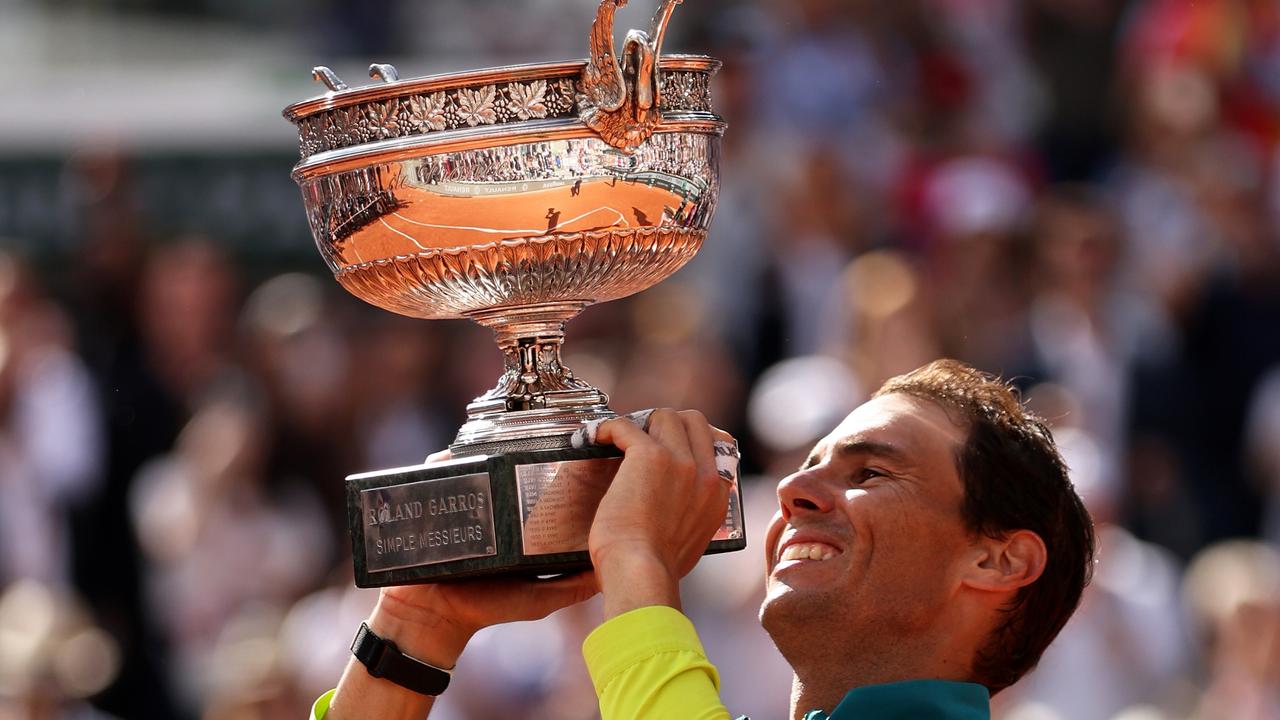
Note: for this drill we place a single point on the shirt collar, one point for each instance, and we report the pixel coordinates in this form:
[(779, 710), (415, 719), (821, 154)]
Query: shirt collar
[(912, 699)]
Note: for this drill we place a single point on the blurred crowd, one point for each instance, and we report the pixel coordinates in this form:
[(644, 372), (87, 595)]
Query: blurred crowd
[(1080, 195)]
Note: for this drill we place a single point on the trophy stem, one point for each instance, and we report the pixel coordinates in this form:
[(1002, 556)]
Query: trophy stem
[(538, 402)]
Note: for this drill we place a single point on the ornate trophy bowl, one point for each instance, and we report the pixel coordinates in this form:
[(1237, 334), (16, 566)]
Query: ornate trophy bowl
[(515, 197)]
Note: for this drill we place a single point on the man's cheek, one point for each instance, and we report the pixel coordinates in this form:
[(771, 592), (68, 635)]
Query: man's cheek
[(774, 532)]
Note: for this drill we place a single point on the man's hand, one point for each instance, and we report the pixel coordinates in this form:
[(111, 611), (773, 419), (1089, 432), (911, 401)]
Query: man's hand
[(448, 614), (442, 617), (434, 622), (659, 514)]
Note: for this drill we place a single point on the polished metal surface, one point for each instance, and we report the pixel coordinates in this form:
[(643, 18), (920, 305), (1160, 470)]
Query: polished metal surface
[(558, 501), (454, 233), (516, 197), (431, 521)]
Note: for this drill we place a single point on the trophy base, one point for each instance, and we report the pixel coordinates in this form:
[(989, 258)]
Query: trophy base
[(513, 513)]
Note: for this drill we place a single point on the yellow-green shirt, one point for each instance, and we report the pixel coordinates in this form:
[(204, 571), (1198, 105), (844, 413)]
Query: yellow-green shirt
[(648, 664), (322, 705)]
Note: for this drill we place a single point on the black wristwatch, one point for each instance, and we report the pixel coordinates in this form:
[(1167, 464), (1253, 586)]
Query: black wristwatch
[(384, 660)]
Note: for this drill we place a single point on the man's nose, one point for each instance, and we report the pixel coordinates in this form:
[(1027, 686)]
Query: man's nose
[(804, 492)]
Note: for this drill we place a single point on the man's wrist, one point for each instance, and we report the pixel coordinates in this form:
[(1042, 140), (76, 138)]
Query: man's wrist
[(632, 578), (419, 631)]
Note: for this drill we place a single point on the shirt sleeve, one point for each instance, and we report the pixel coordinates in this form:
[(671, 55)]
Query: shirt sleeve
[(321, 707), (648, 663)]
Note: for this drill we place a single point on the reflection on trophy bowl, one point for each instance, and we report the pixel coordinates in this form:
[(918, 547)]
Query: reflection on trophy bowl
[(456, 233), (514, 197)]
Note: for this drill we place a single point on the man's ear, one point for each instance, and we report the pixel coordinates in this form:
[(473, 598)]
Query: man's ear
[(1006, 563)]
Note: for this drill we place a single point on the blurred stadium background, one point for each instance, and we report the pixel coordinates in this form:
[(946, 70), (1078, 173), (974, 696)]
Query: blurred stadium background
[(1081, 195)]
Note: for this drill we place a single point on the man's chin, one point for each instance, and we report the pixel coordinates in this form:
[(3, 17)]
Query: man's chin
[(784, 604)]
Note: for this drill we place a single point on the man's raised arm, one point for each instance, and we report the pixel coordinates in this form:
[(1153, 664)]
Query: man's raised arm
[(645, 660)]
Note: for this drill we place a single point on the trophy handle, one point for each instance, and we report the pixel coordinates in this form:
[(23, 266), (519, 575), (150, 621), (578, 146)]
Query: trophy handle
[(385, 72), (329, 78), (619, 100)]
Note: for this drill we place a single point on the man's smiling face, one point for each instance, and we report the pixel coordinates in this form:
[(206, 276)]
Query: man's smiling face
[(869, 537)]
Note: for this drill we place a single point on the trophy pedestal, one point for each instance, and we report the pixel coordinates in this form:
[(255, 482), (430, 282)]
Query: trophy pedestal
[(513, 513)]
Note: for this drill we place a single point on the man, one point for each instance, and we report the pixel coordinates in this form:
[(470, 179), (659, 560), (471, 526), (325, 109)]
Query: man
[(921, 559)]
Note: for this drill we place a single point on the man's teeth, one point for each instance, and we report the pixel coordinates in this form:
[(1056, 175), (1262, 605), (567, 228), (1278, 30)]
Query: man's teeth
[(808, 551)]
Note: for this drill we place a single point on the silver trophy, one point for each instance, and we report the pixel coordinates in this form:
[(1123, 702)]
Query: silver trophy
[(515, 197)]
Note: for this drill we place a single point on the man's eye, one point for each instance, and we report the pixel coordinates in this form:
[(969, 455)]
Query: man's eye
[(866, 474)]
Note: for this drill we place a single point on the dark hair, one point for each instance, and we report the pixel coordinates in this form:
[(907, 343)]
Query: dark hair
[(1014, 479)]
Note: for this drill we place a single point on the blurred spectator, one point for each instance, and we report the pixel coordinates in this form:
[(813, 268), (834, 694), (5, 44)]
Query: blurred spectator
[(975, 270), (398, 365), (299, 369), (217, 540), (52, 656), (50, 432), (1073, 46), (885, 325), (1263, 450), (818, 227), (677, 357), (1234, 590), (1088, 327), (167, 355)]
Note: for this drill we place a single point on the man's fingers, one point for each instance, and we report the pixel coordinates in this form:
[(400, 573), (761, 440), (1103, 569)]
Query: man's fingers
[(699, 434), (621, 433), (439, 456), (719, 434), (588, 434), (668, 429)]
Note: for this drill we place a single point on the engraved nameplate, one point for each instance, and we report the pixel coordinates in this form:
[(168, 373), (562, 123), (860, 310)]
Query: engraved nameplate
[(558, 501), (427, 522)]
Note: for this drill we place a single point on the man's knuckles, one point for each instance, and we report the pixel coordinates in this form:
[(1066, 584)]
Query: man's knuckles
[(694, 417), (683, 466), (650, 455), (662, 418)]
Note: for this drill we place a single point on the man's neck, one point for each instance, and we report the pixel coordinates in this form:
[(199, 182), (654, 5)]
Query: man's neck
[(825, 673), (806, 697)]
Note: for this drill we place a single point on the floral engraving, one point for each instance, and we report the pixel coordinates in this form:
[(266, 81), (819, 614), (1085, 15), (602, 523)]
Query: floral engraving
[(426, 112), (681, 90), (502, 108), (475, 105), (309, 133), (527, 99), (559, 98), (383, 119), (332, 132)]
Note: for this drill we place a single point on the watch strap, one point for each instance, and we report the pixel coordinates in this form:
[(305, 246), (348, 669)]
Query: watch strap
[(384, 660)]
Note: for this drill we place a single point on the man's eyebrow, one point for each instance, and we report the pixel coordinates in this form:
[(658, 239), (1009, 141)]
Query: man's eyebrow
[(875, 448), (845, 448)]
